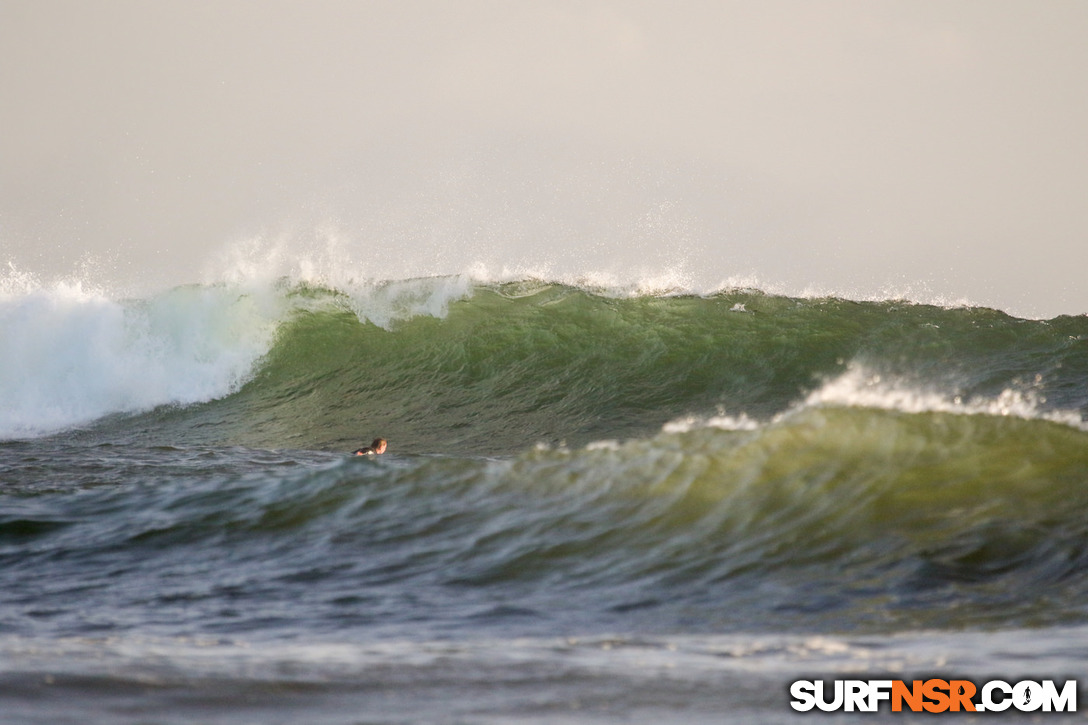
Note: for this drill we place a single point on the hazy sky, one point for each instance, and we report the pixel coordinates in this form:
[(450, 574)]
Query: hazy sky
[(933, 148)]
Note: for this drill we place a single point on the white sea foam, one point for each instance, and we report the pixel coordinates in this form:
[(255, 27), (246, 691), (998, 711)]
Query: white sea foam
[(69, 355), (388, 302), (860, 387), (723, 422), (473, 659)]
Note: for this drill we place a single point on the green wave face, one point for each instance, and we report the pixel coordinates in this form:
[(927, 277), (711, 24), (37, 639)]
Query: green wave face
[(511, 366)]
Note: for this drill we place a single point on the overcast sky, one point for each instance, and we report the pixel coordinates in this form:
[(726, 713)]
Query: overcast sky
[(936, 149)]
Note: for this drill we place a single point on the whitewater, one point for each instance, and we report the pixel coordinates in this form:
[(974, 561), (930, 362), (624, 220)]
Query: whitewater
[(605, 500)]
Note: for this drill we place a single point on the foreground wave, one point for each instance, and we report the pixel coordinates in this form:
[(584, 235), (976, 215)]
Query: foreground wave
[(707, 529)]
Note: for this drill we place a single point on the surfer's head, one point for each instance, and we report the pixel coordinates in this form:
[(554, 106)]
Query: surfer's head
[(376, 446)]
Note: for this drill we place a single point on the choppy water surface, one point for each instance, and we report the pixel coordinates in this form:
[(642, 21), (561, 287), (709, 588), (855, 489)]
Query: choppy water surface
[(596, 506)]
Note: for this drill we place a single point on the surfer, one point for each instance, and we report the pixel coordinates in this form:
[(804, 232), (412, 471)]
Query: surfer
[(377, 447)]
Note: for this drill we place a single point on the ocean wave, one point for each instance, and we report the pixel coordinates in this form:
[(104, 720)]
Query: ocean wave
[(908, 510), (455, 363)]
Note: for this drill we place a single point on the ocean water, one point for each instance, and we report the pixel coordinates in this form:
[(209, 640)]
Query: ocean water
[(599, 504)]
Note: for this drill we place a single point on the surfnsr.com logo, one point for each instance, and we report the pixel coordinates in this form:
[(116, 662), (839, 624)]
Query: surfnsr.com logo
[(934, 695)]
